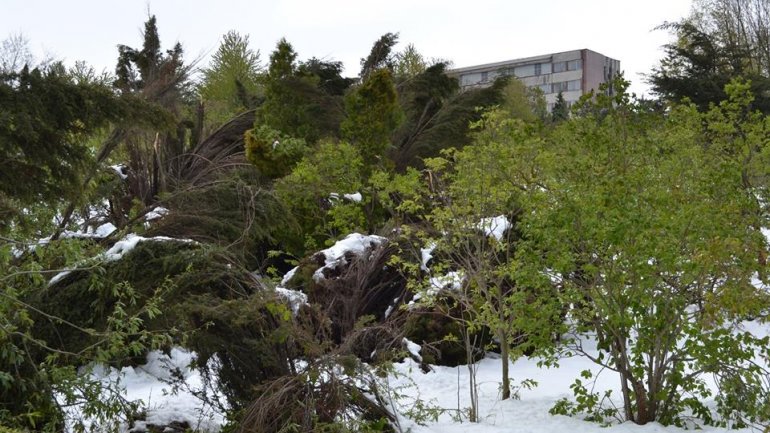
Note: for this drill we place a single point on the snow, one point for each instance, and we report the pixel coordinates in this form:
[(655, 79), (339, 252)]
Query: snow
[(452, 280), (295, 298), (119, 249), (413, 349), (151, 384), (157, 213), (426, 254), (355, 197), (289, 275), (495, 226), (444, 389), (355, 243), (120, 169)]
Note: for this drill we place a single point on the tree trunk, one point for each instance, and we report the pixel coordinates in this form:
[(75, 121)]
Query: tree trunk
[(504, 355)]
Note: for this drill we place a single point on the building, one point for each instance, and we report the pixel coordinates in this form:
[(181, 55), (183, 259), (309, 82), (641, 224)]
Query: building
[(573, 73)]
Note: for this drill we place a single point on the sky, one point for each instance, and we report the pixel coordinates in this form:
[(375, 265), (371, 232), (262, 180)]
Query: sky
[(464, 32)]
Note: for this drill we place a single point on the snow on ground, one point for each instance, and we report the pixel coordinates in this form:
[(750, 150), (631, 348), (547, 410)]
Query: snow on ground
[(151, 384), (444, 386)]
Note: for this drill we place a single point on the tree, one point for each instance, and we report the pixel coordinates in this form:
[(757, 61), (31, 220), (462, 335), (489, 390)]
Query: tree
[(231, 83), (15, 54), (48, 120), (478, 216), (380, 55), (522, 102), (314, 193), (652, 239), (373, 114), (302, 100), (560, 111), (724, 39)]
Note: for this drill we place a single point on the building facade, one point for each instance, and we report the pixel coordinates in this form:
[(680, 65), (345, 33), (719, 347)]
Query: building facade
[(573, 73)]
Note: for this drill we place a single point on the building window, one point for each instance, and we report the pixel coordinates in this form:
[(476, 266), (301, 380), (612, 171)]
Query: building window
[(546, 68), (538, 69), (574, 65), (559, 67), (484, 77), (525, 71), (573, 85), (546, 88)]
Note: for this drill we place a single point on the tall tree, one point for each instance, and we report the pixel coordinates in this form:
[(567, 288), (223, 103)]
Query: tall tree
[(722, 40), (231, 82), (301, 100)]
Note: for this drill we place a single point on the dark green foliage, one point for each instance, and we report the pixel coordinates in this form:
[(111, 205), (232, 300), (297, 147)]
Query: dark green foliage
[(301, 101), (273, 153), (445, 118), (560, 111), (373, 114), (380, 55), (701, 63), (46, 119), (251, 337), (232, 213), (329, 75)]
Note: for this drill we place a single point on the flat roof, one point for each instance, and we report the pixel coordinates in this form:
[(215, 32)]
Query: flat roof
[(497, 65)]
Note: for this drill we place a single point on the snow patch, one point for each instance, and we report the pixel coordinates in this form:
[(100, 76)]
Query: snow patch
[(119, 249), (295, 298), (413, 349), (495, 226), (355, 243), (157, 213), (151, 384), (121, 170), (426, 254)]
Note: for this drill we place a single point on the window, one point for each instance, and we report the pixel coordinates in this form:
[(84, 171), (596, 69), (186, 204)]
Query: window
[(546, 68), (574, 65), (546, 88), (559, 87), (484, 77), (525, 71), (573, 85), (559, 66)]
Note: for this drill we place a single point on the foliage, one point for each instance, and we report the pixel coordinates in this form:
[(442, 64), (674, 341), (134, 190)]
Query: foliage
[(525, 103), (380, 55), (273, 153), (372, 115), (560, 110), (307, 192), (653, 238), (231, 82), (47, 120), (302, 101), (720, 41)]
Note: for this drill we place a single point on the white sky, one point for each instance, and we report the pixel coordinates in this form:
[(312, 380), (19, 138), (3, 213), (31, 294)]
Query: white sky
[(465, 32)]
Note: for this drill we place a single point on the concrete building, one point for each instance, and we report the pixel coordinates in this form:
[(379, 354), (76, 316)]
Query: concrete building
[(573, 73)]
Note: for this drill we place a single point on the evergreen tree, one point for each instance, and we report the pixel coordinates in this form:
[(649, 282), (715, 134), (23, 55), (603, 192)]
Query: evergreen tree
[(231, 83), (373, 114), (560, 111), (380, 55), (298, 102)]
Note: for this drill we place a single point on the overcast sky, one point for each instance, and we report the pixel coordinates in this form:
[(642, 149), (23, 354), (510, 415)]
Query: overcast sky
[(466, 32)]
